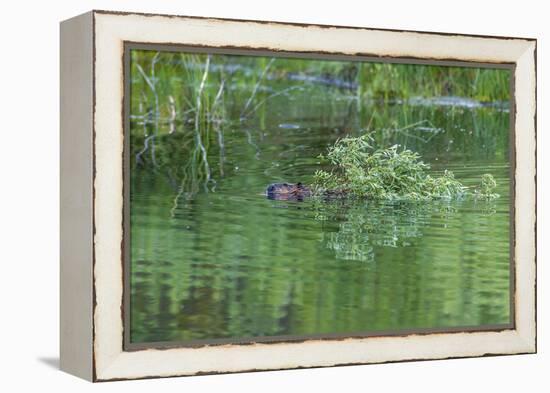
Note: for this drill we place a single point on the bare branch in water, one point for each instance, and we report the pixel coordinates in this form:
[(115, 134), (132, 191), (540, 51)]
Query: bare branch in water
[(218, 96), (255, 90), (151, 82), (172, 119), (142, 100), (145, 148), (146, 78), (259, 104), (403, 130), (217, 127), (197, 118), (251, 143)]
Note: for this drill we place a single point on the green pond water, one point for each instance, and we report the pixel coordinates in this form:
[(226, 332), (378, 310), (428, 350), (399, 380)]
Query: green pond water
[(228, 263)]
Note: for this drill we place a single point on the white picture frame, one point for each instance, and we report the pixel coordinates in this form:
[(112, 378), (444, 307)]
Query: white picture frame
[(92, 194)]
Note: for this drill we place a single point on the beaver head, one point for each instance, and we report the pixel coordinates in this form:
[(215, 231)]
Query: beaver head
[(287, 191)]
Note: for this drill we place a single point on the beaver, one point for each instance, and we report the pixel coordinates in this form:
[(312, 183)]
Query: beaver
[(287, 192)]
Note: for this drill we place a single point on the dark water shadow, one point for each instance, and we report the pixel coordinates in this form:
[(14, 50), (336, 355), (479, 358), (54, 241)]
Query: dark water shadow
[(52, 362)]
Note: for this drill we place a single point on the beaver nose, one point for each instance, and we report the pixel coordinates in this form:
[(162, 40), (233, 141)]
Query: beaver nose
[(271, 188)]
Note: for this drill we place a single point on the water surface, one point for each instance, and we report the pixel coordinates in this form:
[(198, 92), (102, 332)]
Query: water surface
[(228, 263)]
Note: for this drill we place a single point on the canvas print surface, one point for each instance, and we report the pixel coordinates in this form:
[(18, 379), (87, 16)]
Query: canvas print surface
[(281, 198)]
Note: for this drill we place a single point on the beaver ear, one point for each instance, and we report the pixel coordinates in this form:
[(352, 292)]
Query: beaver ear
[(299, 184), (285, 184)]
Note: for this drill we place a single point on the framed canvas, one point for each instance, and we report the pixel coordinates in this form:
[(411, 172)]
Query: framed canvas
[(245, 195)]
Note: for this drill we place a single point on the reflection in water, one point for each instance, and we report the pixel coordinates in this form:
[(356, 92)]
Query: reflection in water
[(366, 225), (228, 264)]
